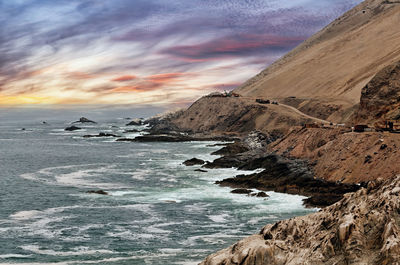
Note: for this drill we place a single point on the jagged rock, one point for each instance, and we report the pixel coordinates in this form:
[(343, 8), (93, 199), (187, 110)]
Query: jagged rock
[(102, 134), (72, 128), (362, 229), (101, 192), (84, 120), (282, 175), (193, 161), (380, 98), (136, 122), (241, 191), (260, 194), (232, 149)]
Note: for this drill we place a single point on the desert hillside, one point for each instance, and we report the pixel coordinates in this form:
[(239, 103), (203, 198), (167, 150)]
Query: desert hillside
[(337, 62)]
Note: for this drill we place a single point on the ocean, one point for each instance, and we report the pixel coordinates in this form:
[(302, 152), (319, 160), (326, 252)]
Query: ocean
[(158, 211)]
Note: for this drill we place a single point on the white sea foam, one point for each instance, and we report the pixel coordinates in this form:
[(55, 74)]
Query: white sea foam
[(78, 251), (25, 215), (221, 218)]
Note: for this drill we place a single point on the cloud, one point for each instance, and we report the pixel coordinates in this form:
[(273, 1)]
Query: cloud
[(236, 45), (164, 78), (124, 78)]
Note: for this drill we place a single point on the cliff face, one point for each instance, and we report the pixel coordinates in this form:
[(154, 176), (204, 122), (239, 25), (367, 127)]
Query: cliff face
[(362, 228), (380, 98), (339, 155)]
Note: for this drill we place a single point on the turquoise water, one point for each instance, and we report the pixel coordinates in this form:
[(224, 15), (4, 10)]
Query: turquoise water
[(158, 211)]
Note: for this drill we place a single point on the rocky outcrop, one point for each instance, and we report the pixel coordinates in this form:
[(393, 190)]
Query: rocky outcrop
[(380, 98), (135, 122), (72, 128), (288, 176), (193, 161), (363, 228), (338, 155), (100, 192), (236, 115), (102, 134), (84, 120)]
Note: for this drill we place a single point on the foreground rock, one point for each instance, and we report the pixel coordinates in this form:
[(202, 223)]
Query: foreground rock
[(84, 120), (72, 128), (193, 161), (362, 228)]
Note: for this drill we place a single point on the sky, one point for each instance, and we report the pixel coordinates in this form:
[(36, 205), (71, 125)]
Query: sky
[(162, 52)]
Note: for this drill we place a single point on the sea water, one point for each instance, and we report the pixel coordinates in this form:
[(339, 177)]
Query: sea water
[(158, 211)]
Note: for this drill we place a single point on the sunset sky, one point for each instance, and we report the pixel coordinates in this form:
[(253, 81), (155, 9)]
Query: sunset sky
[(145, 51)]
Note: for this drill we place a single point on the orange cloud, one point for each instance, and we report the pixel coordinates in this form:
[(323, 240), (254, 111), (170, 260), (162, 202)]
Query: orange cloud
[(142, 87), (164, 78), (124, 78)]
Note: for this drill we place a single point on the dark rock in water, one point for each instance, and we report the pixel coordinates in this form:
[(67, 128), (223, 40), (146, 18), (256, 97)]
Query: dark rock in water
[(23, 129), (126, 140), (72, 128), (43, 122), (232, 149), (102, 134), (200, 170), (136, 122), (241, 191), (193, 161), (84, 120), (260, 194), (101, 192)]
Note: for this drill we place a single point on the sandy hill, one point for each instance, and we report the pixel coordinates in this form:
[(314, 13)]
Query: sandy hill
[(337, 62)]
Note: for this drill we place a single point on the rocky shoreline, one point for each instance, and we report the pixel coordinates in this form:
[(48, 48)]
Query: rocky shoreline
[(362, 228)]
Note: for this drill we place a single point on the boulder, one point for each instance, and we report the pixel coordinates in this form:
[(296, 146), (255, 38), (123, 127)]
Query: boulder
[(72, 128), (193, 161), (100, 192), (84, 120), (102, 134), (135, 122), (241, 191)]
